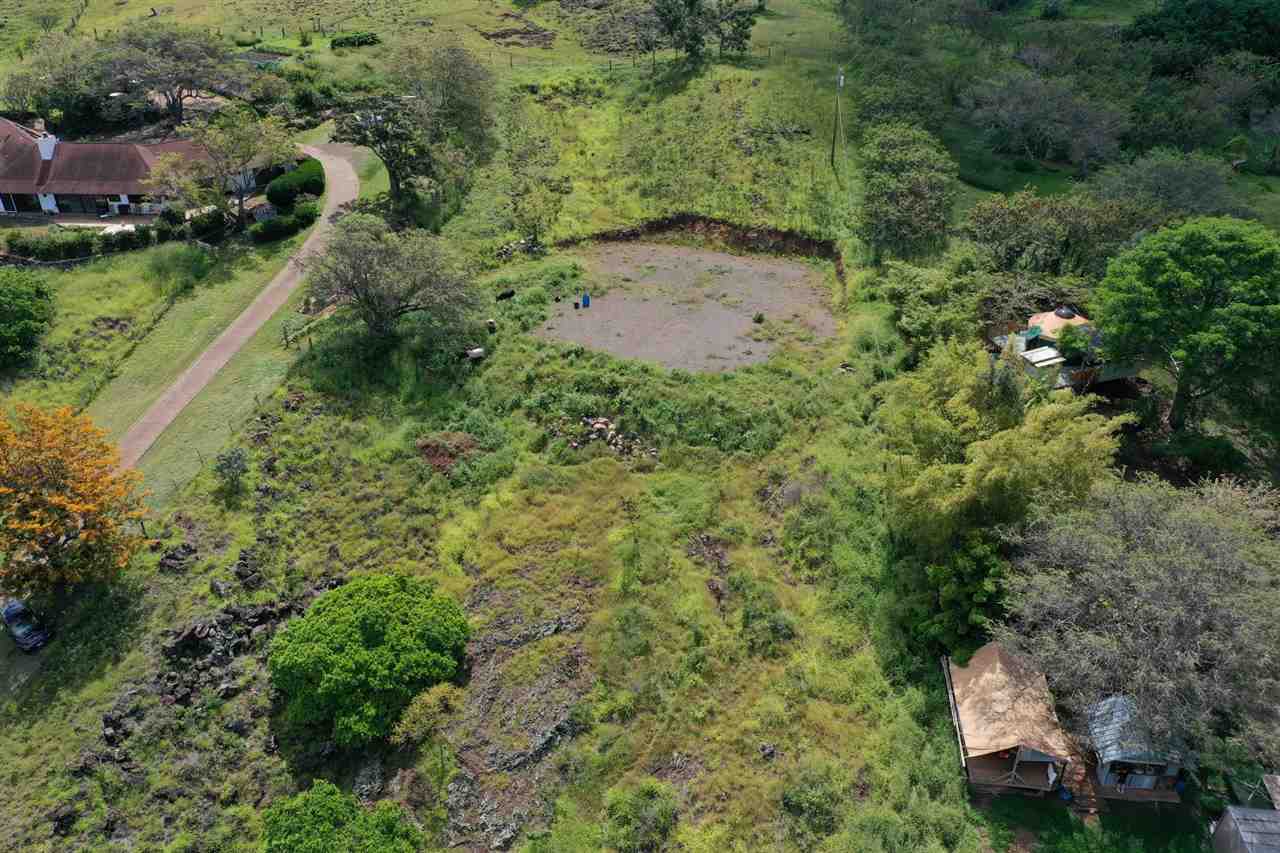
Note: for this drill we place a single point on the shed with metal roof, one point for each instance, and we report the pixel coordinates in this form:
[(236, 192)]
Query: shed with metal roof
[(1244, 830)]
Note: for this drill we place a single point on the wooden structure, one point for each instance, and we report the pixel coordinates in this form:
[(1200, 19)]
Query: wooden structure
[(1009, 735), (1244, 830), (1130, 765)]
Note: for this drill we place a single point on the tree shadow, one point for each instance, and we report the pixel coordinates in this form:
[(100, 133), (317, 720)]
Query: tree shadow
[(93, 627)]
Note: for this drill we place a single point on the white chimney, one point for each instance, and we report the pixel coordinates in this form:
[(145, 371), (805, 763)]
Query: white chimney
[(47, 142)]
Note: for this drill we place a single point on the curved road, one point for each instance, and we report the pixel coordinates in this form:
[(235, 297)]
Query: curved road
[(341, 188)]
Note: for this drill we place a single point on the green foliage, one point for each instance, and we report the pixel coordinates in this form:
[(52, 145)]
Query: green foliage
[(1074, 344), (230, 466), (276, 228), (1202, 301), (358, 656), (1213, 26), (974, 444), (766, 626), (909, 189), (1056, 235), (325, 820), (965, 587), (362, 39), (58, 245), (639, 817), (1169, 183), (26, 313), (429, 711), (812, 799), (307, 178)]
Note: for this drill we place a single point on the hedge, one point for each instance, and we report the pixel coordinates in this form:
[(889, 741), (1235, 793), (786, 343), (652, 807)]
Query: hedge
[(307, 178), (354, 40)]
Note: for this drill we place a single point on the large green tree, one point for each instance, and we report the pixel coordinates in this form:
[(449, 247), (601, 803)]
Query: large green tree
[(1201, 301), (381, 275), (1166, 595), (170, 63), (353, 662), (909, 187), (972, 444), (26, 311)]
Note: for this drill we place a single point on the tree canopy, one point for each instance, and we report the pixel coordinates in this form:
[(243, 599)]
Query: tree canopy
[(1202, 301), (382, 275), (909, 189), (26, 312), (172, 61), (1166, 595), (237, 143), (354, 661), (67, 512)]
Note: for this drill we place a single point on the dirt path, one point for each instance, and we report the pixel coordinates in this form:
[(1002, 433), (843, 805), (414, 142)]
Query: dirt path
[(692, 308), (341, 188)]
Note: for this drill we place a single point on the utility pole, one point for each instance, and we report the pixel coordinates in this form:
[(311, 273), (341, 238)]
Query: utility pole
[(837, 128)]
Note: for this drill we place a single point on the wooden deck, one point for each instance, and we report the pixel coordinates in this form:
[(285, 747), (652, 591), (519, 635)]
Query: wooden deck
[(1135, 795), (990, 771)]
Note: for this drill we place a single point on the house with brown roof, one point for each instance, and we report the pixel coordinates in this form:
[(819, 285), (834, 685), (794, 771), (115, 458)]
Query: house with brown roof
[(41, 174), (1009, 735)]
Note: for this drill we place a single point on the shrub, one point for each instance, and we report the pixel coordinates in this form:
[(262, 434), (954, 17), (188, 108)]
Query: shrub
[(307, 178), (178, 266), (173, 215), (305, 214), (765, 625), (325, 820), (276, 228), (304, 38), (427, 714), (230, 466), (209, 224), (812, 800), (355, 660), (641, 817), (26, 312), (363, 39)]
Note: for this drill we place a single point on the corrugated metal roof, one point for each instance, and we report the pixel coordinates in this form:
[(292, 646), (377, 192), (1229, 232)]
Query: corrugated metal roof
[(1118, 734), (1259, 829)]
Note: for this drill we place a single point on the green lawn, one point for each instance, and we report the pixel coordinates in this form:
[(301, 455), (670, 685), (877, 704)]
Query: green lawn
[(103, 309), (191, 324), (219, 411)]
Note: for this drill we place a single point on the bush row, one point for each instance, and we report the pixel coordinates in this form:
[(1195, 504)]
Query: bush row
[(285, 225), (354, 40), (70, 244), (308, 178)]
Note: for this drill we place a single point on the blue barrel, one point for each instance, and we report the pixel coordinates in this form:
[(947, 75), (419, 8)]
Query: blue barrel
[(586, 300)]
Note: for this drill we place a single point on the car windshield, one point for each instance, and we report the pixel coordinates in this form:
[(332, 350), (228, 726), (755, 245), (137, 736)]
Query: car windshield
[(22, 630)]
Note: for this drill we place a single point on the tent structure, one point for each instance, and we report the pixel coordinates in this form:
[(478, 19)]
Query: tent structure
[(1009, 733)]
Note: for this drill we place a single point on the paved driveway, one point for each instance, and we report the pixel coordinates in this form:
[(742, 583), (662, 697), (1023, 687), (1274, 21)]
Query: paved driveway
[(341, 188)]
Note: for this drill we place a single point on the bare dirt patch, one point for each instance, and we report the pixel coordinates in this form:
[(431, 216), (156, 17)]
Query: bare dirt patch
[(692, 308)]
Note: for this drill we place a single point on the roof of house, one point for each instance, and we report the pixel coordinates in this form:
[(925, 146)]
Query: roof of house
[(20, 163), (81, 168), (1118, 734), (1002, 702), (1258, 829), (1051, 322)]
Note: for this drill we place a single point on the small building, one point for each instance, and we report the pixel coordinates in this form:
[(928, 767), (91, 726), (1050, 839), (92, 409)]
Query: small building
[(1009, 734), (1037, 345), (1131, 766), (1244, 830)]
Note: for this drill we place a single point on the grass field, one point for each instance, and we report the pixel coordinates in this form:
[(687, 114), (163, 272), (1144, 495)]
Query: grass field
[(714, 610)]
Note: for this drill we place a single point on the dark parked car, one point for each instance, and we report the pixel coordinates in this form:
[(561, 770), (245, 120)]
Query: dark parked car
[(23, 626)]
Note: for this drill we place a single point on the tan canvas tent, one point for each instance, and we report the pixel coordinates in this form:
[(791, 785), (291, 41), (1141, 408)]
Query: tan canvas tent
[(1008, 731)]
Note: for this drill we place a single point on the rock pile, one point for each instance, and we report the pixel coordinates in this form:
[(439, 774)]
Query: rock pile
[(603, 430)]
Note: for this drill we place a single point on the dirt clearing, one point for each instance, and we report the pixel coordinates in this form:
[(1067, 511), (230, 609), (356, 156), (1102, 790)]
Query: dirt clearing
[(691, 308)]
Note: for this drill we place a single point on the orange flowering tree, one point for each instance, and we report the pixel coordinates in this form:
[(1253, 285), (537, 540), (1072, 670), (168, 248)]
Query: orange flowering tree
[(66, 509)]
